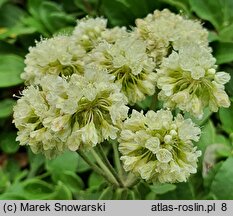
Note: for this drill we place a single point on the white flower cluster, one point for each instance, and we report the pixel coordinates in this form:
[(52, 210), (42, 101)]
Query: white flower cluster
[(188, 80), (79, 87), (73, 113), (128, 62), (164, 31), (57, 56), (158, 148)]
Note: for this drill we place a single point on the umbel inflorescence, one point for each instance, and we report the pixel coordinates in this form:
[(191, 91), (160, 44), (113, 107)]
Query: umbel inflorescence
[(81, 86)]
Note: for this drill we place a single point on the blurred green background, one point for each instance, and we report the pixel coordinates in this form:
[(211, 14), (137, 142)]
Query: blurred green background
[(24, 175)]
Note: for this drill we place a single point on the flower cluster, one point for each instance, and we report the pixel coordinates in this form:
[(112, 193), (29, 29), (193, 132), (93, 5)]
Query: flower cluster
[(158, 147), (90, 32), (79, 86), (58, 56), (164, 31), (188, 80), (73, 113), (128, 62)]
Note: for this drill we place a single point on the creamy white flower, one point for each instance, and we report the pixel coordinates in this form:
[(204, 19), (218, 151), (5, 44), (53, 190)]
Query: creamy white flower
[(92, 100), (188, 80), (128, 62), (89, 32), (164, 30), (160, 153), (40, 126), (58, 56)]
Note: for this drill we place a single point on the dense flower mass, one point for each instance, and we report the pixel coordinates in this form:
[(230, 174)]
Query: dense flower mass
[(31, 117), (164, 30), (78, 88), (159, 148), (188, 80), (58, 56), (73, 113), (128, 62), (89, 32)]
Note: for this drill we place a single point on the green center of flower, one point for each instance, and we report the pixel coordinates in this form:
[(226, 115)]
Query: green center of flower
[(96, 111), (125, 76)]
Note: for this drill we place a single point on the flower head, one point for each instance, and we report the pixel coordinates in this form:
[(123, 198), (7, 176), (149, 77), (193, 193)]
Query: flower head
[(75, 112), (128, 62), (58, 56), (91, 31), (188, 80), (40, 126), (164, 30), (159, 148)]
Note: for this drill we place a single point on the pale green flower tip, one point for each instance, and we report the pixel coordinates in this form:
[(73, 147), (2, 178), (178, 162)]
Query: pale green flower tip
[(160, 152)]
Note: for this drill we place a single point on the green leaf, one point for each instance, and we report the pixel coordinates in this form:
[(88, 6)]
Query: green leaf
[(47, 17), (124, 12), (95, 180), (226, 118), (117, 13), (182, 5), (4, 180), (107, 194), (53, 17), (208, 179), (6, 107), (10, 15), (18, 29), (8, 143), (11, 66), (223, 181), (12, 168), (3, 2), (61, 192), (223, 52), (120, 194), (162, 188), (12, 196), (226, 34), (82, 165), (218, 12), (68, 161), (208, 135), (151, 196), (72, 181), (37, 189), (35, 161), (183, 191), (212, 155)]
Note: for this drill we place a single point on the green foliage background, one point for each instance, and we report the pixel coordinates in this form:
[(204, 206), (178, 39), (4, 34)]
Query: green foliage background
[(24, 175)]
